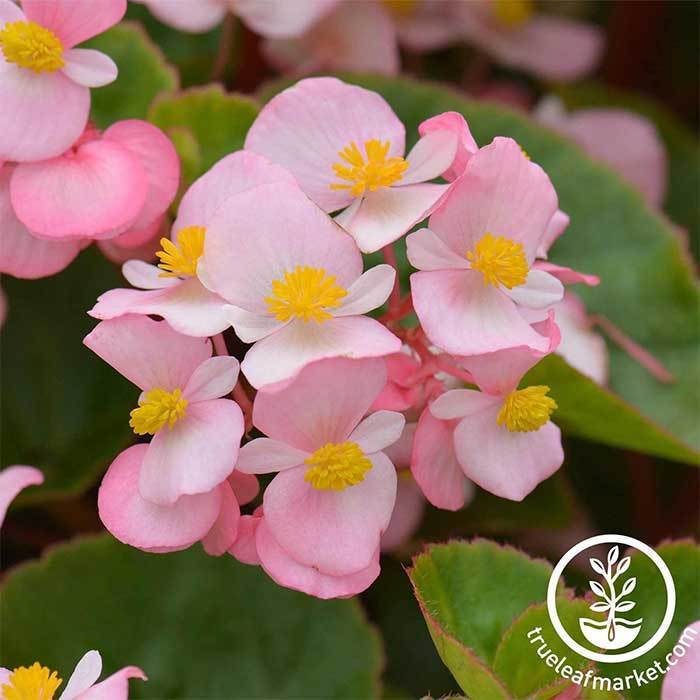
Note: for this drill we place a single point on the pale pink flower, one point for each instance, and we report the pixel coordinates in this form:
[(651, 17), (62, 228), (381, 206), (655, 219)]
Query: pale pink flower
[(120, 181), (37, 681), (627, 142), (515, 35), (345, 147), (335, 490), (476, 259), (272, 18), (294, 282), (502, 436), (196, 433), (13, 480), (44, 81), (682, 681), (425, 25), (356, 36), (173, 289)]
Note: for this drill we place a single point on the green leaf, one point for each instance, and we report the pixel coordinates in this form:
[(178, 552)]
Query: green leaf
[(683, 561), (143, 74), (64, 410), (218, 121), (469, 594), (216, 628), (647, 285)]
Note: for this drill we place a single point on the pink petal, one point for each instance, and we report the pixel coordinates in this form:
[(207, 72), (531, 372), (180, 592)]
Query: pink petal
[(245, 486), (509, 465), (195, 455), (307, 419), (187, 306), (213, 379), (427, 251), (408, 512), (146, 525), (502, 193), (459, 403), (9, 12), (12, 481), (86, 673), (263, 456), (241, 267), (282, 355), (434, 464), (400, 452), (540, 290), (681, 681), (566, 275), (89, 67), (75, 21), (224, 531), (146, 276), (148, 353), (284, 570), (280, 18), (244, 549), (158, 157), (91, 192), (431, 156), (114, 687), (251, 326), (455, 123), (463, 317), (135, 237), (29, 129), (368, 291), (388, 213), (22, 254), (557, 225), (187, 15), (306, 126), (378, 430), (428, 26)]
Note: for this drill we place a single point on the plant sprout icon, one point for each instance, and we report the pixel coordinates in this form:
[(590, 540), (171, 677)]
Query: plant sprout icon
[(615, 632)]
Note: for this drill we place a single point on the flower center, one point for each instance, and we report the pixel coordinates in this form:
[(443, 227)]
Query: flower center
[(500, 260), (370, 171), (526, 410), (34, 683), (336, 466), (32, 46), (305, 293), (511, 14), (156, 409), (401, 8), (180, 260)]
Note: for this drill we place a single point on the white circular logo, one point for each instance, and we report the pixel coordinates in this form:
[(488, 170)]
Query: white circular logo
[(614, 593)]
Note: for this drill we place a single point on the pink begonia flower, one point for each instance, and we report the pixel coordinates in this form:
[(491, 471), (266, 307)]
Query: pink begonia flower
[(335, 489), (135, 245), (682, 681), (356, 36), (172, 289), (12, 481), (104, 185), (627, 142), (425, 25), (515, 35), (45, 82), (196, 433), (345, 147), (37, 681), (476, 259), (503, 438), (22, 254), (271, 18), (296, 287)]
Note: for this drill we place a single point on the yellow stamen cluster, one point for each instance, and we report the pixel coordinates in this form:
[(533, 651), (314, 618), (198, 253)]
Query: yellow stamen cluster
[(512, 14), (32, 46), (336, 466), (181, 260), (157, 408), (305, 293), (368, 172), (500, 260), (34, 683), (526, 410), (401, 8)]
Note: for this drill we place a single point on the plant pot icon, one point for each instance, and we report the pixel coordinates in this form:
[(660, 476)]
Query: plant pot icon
[(614, 632)]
